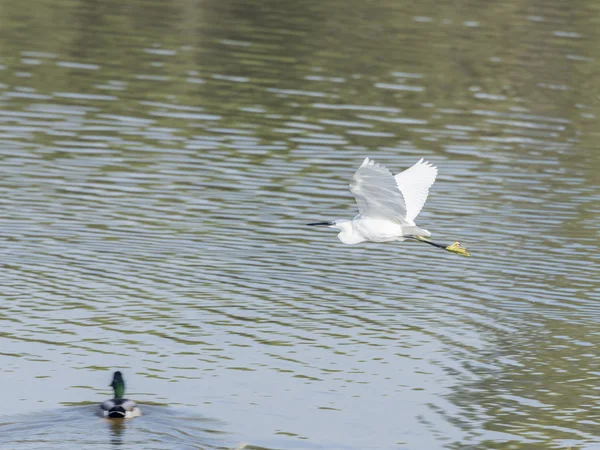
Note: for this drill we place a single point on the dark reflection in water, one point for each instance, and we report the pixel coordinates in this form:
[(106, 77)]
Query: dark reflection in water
[(158, 161), (117, 427)]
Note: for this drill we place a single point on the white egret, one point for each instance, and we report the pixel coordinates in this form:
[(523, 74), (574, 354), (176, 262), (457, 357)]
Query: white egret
[(388, 205)]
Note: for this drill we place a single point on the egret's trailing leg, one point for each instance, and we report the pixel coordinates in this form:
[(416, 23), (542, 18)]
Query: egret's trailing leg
[(454, 248)]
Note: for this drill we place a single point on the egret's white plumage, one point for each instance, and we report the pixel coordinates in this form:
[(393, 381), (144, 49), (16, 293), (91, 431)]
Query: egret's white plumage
[(399, 198), (388, 205), (414, 183)]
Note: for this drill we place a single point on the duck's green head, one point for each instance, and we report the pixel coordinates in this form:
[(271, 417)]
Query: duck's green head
[(118, 384)]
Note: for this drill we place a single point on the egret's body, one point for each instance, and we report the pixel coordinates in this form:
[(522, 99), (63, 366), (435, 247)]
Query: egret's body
[(388, 205), (360, 230)]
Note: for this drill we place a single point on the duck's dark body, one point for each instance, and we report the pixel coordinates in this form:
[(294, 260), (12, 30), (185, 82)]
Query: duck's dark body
[(120, 408)]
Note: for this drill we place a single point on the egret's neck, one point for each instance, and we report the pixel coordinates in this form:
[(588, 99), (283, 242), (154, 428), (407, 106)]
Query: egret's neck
[(349, 234)]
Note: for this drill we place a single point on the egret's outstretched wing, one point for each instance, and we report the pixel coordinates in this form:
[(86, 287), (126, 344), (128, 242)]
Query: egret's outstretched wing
[(377, 193), (414, 183)]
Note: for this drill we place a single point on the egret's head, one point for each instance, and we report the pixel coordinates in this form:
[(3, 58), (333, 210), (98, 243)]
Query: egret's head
[(338, 224), (347, 233)]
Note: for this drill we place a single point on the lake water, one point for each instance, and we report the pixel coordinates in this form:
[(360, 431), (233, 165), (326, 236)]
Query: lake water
[(159, 161)]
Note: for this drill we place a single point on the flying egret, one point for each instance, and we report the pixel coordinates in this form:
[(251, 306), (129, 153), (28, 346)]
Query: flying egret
[(388, 205)]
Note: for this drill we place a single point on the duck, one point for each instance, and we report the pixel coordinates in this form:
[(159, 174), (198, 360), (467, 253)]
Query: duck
[(119, 407)]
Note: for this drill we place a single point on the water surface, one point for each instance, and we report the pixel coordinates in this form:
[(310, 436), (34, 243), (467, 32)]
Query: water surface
[(159, 162)]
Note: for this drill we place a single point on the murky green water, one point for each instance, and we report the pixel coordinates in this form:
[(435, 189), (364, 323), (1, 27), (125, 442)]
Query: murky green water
[(158, 162)]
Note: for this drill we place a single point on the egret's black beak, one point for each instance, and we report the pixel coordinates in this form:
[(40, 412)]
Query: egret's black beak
[(320, 224)]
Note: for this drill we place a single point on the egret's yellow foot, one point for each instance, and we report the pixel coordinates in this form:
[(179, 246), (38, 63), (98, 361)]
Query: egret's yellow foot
[(458, 249)]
